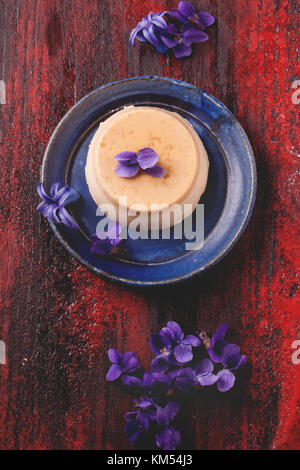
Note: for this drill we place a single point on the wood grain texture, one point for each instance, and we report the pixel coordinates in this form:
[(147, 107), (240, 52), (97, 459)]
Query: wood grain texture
[(57, 319)]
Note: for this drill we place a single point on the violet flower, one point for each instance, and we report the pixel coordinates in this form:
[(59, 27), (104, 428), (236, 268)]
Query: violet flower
[(182, 345), (103, 243), (54, 204), (153, 385), (186, 378), (164, 416), (182, 379), (232, 360), (162, 347), (220, 351), (217, 343), (181, 41), (186, 12), (149, 30), (204, 373), (121, 363), (168, 438), (130, 163), (137, 423)]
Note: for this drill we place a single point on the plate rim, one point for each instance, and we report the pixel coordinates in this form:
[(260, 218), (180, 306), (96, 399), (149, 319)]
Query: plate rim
[(242, 225)]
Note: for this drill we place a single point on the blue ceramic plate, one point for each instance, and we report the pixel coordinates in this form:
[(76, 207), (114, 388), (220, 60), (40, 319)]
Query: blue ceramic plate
[(228, 199)]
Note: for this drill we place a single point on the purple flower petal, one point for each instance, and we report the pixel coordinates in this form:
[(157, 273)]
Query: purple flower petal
[(232, 359), (144, 403), (230, 350), (101, 247), (68, 197), (66, 218), (157, 171), (205, 18), (147, 158), (193, 35), (159, 21), (144, 420), (124, 157), (186, 9), (159, 364), (127, 171), (215, 356), (182, 50), (169, 40), (133, 431), (131, 381), (114, 373), (171, 410), (168, 438), (130, 416), (176, 330), (168, 333), (148, 380), (177, 16), (206, 380), (42, 193), (185, 379), (55, 188), (113, 230), (130, 362), (192, 340), (183, 353), (204, 367), (114, 356), (220, 334), (157, 342), (226, 380)]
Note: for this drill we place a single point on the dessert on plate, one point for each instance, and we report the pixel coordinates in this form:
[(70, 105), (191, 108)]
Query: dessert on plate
[(181, 155)]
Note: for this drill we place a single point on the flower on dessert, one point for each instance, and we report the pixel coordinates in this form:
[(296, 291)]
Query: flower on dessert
[(180, 41), (103, 243), (149, 30), (129, 163), (186, 12), (181, 344), (121, 363), (55, 202)]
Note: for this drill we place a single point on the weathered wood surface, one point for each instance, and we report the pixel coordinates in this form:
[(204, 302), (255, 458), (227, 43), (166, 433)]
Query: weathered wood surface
[(57, 319)]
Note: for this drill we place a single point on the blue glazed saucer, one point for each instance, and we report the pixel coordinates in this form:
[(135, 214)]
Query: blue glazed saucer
[(228, 200)]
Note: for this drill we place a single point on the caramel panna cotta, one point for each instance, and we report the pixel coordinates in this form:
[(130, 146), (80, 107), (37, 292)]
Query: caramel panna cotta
[(181, 153)]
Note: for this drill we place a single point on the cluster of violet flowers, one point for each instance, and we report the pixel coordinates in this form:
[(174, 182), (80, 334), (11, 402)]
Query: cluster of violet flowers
[(55, 207), (174, 370), (174, 30)]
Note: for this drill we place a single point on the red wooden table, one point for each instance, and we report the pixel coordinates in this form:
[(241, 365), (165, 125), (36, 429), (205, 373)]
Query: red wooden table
[(57, 319)]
